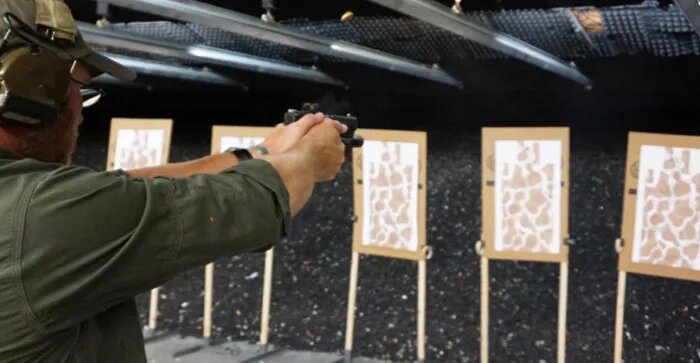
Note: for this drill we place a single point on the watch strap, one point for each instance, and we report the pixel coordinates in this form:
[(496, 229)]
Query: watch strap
[(240, 153)]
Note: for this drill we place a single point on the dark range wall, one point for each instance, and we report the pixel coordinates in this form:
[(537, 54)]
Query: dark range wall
[(312, 265)]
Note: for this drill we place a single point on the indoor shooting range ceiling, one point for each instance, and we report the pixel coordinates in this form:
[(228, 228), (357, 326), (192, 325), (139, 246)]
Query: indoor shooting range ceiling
[(210, 41)]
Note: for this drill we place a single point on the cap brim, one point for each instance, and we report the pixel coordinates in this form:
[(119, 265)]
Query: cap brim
[(100, 63), (103, 64)]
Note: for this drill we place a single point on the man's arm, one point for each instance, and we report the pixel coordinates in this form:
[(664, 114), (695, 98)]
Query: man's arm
[(213, 164), (281, 139), (93, 239), (295, 166)]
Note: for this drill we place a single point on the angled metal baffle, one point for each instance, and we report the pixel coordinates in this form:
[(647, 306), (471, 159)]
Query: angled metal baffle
[(118, 39), (691, 9), (161, 69), (443, 17), (228, 20)]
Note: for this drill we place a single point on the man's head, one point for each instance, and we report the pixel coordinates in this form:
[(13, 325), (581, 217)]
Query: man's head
[(44, 63)]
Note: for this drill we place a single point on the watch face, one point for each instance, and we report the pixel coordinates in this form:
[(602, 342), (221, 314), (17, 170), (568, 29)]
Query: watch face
[(242, 154)]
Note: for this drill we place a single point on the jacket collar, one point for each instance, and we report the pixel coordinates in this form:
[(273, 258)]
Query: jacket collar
[(6, 154)]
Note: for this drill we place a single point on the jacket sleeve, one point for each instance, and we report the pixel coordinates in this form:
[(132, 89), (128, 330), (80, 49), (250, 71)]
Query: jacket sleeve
[(94, 239)]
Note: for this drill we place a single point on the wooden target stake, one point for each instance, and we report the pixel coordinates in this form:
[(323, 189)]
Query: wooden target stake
[(267, 293), (619, 307), (153, 309), (563, 293), (208, 299), (352, 295), (484, 303), (620, 314), (421, 310)]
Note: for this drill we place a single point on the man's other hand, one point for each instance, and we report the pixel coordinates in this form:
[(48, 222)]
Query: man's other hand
[(284, 137), (325, 149)]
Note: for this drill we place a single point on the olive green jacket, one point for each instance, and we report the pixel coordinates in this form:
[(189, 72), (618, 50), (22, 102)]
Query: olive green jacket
[(76, 246)]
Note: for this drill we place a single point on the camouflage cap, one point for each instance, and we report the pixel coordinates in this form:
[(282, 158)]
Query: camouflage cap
[(50, 24)]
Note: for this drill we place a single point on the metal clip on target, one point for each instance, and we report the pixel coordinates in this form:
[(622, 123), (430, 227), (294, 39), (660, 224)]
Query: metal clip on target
[(428, 252), (479, 247), (618, 245)]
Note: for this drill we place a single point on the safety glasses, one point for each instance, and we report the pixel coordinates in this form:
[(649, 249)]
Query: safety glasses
[(91, 96)]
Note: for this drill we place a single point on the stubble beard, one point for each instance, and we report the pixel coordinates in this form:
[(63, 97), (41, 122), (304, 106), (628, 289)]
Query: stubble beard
[(52, 142)]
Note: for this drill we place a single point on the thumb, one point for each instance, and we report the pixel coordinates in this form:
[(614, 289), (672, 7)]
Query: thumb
[(341, 127), (309, 121)]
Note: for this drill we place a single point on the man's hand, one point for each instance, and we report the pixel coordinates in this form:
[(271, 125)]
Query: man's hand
[(284, 137), (325, 149), (317, 157)]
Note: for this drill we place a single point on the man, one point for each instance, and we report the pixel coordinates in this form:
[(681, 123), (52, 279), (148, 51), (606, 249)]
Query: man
[(76, 245)]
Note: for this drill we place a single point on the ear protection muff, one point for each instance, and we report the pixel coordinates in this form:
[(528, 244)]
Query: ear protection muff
[(33, 85)]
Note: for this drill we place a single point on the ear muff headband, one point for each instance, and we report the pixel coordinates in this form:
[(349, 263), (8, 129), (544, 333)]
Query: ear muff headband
[(33, 85)]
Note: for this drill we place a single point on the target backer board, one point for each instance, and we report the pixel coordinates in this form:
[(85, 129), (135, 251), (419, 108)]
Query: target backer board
[(525, 184), (138, 143), (661, 213), (224, 137), (389, 178)]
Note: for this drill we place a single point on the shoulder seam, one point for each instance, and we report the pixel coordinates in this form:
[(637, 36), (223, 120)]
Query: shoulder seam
[(180, 233), (18, 224)]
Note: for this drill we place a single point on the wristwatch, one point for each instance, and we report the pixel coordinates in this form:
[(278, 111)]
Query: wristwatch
[(240, 153)]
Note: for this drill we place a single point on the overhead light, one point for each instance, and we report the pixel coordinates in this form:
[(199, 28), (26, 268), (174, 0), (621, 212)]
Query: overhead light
[(228, 20), (443, 17), (691, 9), (111, 80), (119, 39), (347, 16), (262, 65), (160, 69)]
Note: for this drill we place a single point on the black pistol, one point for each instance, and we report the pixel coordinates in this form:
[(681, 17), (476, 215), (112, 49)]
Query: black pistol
[(349, 138)]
